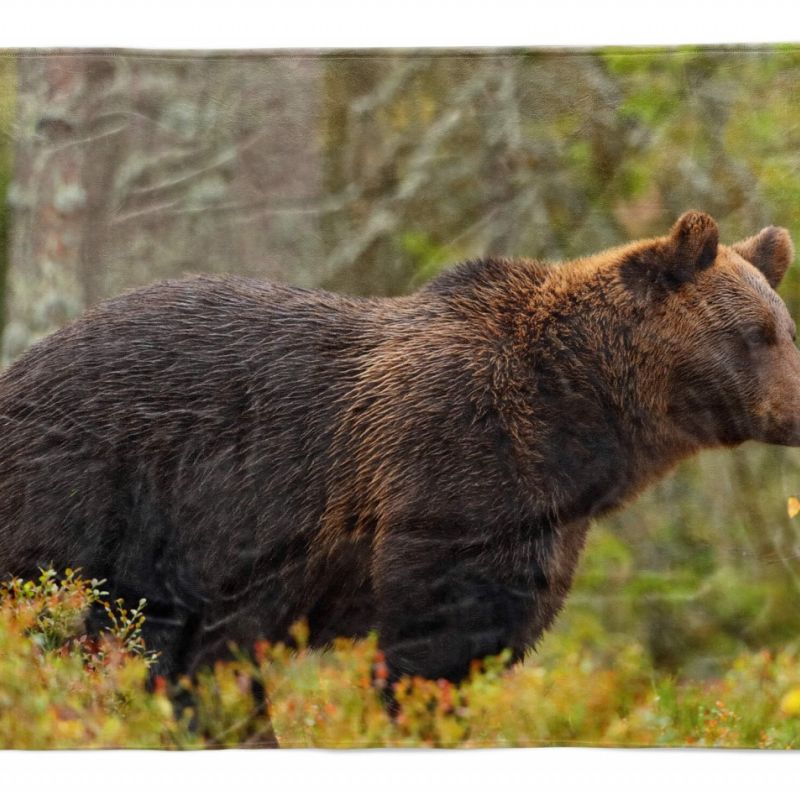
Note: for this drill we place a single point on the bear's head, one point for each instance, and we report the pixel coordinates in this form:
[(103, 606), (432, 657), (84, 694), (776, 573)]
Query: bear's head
[(718, 340)]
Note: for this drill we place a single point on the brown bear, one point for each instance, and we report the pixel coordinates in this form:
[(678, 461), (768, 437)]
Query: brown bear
[(244, 454)]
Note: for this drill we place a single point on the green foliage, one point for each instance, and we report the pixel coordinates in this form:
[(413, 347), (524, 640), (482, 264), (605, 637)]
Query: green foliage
[(428, 256), (59, 687), (62, 689)]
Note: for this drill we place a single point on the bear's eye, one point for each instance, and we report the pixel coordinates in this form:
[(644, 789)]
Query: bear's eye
[(755, 336)]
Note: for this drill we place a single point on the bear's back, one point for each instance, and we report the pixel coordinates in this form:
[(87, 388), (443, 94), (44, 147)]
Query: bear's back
[(166, 397)]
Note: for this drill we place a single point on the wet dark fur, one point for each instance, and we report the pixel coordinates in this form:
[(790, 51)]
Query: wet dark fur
[(244, 454)]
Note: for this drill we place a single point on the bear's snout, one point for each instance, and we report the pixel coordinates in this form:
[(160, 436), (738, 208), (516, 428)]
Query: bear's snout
[(780, 411)]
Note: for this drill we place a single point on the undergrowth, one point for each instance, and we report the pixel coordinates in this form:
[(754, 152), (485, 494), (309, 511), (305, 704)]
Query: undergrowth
[(61, 688)]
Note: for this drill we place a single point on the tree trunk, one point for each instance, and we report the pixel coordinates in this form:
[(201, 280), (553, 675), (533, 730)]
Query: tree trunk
[(131, 168)]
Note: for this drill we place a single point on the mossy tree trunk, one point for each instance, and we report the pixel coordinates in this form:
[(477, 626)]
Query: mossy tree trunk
[(134, 168), (7, 102)]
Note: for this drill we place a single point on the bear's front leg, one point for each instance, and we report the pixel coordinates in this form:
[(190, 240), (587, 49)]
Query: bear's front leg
[(443, 603)]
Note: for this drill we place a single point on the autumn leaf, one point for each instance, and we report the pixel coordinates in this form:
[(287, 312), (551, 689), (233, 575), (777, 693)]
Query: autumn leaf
[(793, 506), (790, 703)]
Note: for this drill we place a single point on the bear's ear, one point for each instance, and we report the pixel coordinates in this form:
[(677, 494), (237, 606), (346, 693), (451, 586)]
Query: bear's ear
[(693, 243), (666, 263), (770, 251)]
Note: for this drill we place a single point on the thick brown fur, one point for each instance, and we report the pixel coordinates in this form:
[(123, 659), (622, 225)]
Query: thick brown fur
[(244, 454)]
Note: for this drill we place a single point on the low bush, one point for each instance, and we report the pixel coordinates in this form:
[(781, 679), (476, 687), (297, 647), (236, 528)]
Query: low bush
[(60, 688)]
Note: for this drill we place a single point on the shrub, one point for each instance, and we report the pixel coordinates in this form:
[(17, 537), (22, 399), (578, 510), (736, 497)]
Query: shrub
[(60, 688)]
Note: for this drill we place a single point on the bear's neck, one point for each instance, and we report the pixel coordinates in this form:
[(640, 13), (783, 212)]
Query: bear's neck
[(597, 426)]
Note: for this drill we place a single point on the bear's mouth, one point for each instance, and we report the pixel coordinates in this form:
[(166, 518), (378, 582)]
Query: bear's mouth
[(710, 424)]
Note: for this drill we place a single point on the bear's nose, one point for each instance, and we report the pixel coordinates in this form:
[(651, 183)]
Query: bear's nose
[(781, 399)]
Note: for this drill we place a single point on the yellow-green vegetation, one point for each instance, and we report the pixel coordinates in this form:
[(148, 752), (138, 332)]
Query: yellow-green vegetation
[(60, 688)]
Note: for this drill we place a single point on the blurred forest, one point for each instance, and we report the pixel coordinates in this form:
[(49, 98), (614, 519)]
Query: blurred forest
[(368, 173)]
